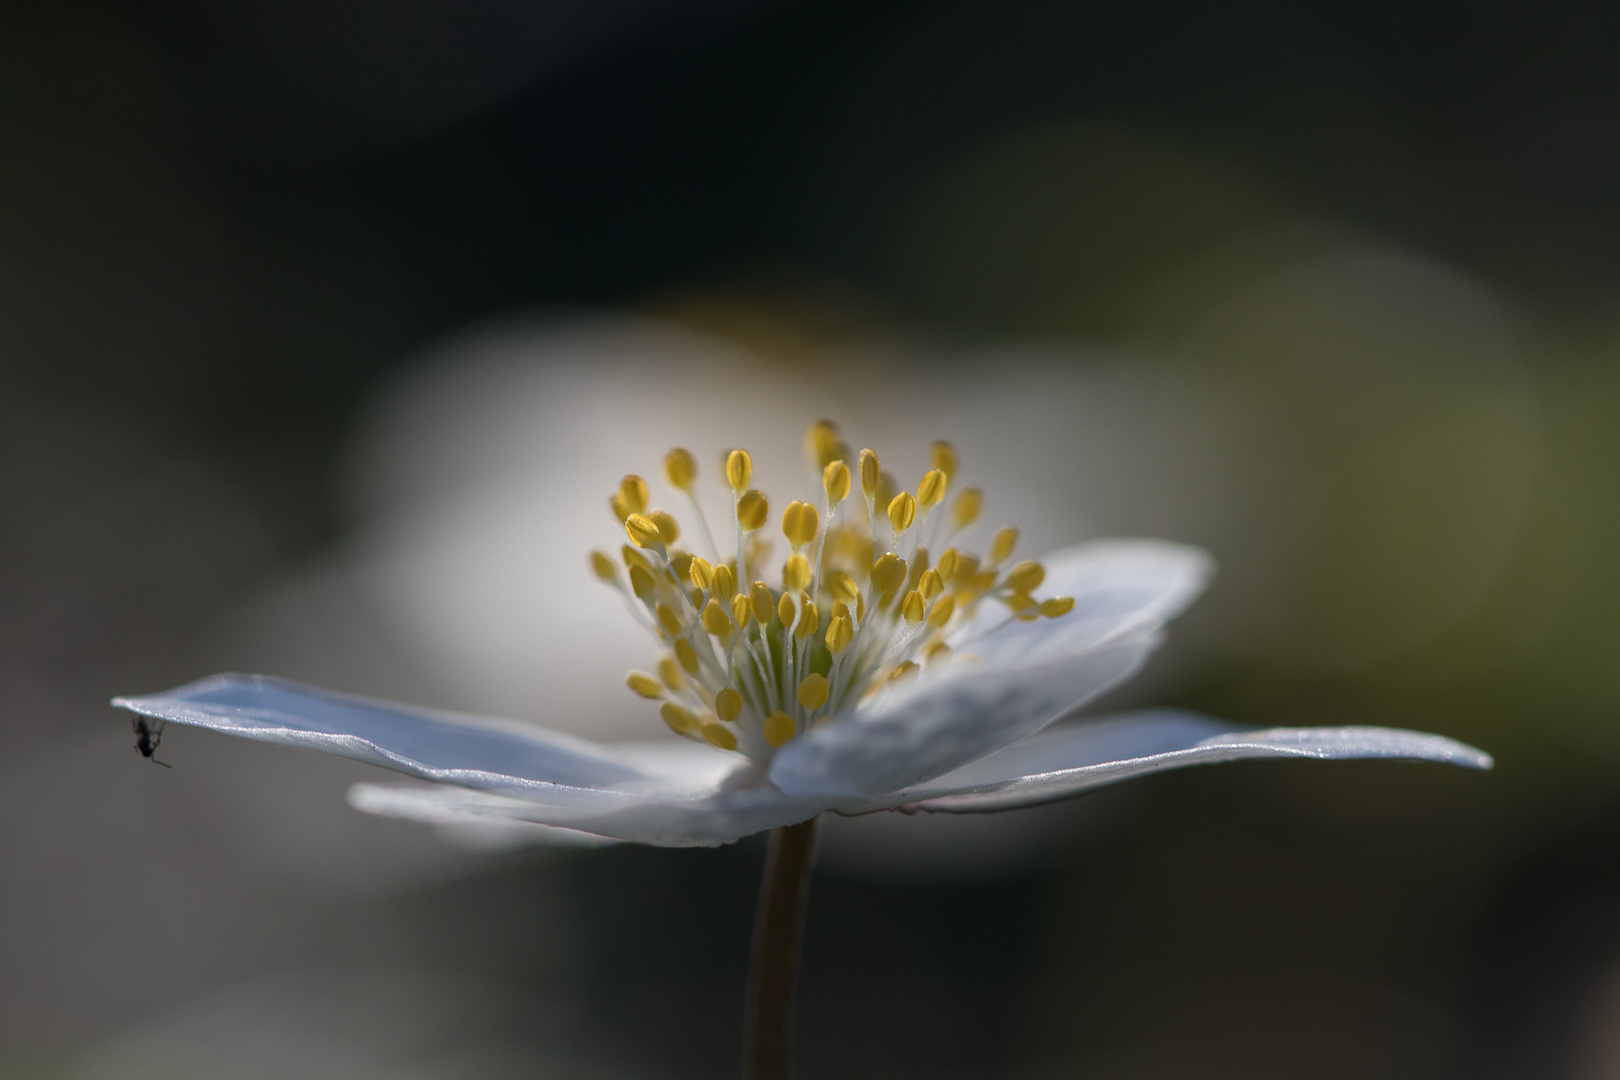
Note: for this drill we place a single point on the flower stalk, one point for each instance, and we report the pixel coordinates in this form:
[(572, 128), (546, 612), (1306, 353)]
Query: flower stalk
[(784, 892)]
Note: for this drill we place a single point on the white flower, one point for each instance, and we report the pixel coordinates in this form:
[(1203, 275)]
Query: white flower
[(873, 676)]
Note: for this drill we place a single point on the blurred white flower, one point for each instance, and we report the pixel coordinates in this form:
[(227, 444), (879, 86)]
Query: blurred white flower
[(874, 676)]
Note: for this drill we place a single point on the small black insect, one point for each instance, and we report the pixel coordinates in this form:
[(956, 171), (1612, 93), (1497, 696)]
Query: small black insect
[(148, 733)]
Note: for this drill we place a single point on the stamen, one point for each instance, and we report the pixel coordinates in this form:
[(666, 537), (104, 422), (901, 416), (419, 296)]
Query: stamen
[(728, 704), (835, 482), (680, 719), (1002, 544), (702, 572), (809, 619), (643, 532), (778, 729), (943, 455), (633, 493), (670, 672), (796, 572), (823, 445), (644, 684), (724, 583), (911, 608), (603, 567), (813, 690), (680, 470), (641, 583), (965, 511), (932, 489), (720, 738), (902, 512), (1026, 577), (716, 621), (839, 633), (1056, 606), (800, 522), (740, 610), (686, 657), (669, 620), (752, 511), (888, 573), (871, 474), (763, 602), (944, 608), (947, 564), (739, 470)]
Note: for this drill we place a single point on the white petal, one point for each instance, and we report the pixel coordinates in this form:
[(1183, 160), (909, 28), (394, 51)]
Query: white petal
[(1069, 759), (495, 755), (1014, 677), (926, 726), (699, 821)]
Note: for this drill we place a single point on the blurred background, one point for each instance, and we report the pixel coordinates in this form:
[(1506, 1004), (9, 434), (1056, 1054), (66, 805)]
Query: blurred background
[(326, 329)]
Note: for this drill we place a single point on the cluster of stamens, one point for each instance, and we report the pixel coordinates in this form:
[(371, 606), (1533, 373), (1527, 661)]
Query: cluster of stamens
[(860, 603)]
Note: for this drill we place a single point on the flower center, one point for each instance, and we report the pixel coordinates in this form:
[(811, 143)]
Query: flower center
[(858, 602)]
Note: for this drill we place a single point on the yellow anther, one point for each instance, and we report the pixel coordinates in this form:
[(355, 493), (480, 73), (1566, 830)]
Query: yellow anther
[(715, 619), (800, 521), (680, 469), (778, 728), (702, 572), (902, 670), (842, 586), (685, 656), (786, 610), (752, 511), (823, 445), (721, 738), (860, 609), (681, 563), (943, 455), (632, 557), (644, 684), (871, 474), (727, 704), (670, 672), (764, 603), (911, 608), (1057, 605), (739, 470), (835, 481), (1002, 544), (935, 652), (1026, 577), (668, 531), (796, 572), (741, 609), (808, 621), (603, 567), (965, 511), (942, 611), (643, 531), (1018, 601), (813, 690), (931, 584), (620, 509), (902, 512), (633, 493), (967, 566), (723, 583), (947, 564), (931, 491), (668, 620), (839, 634), (641, 583), (888, 573), (679, 718)]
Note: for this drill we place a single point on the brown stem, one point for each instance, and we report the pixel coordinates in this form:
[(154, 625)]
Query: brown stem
[(778, 929)]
